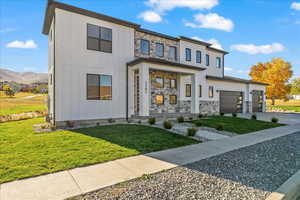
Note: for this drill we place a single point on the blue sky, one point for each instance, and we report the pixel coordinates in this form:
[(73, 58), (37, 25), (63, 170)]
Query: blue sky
[(251, 30)]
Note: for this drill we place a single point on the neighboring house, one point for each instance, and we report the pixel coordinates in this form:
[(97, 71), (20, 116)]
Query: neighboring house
[(101, 67), (295, 96)]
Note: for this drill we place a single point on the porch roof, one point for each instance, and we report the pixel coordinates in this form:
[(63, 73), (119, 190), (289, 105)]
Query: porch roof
[(163, 62), (234, 79)]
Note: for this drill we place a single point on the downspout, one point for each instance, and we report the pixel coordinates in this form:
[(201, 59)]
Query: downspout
[(126, 92), (54, 63)]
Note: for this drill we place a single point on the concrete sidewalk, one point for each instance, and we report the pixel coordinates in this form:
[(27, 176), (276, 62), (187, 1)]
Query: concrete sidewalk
[(77, 181)]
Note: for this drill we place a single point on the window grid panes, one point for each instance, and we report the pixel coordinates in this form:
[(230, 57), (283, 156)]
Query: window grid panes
[(173, 83), (159, 49), (99, 87), (198, 56), (218, 60), (99, 38), (200, 90), (207, 59), (172, 53), (159, 99), (173, 99), (188, 55), (145, 47)]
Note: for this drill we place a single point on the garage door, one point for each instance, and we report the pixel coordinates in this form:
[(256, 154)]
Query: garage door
[(257, 101), (231, 102)]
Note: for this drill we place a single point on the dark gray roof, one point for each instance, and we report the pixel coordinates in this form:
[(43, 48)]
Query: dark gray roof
[(165, 62), (234, 79)]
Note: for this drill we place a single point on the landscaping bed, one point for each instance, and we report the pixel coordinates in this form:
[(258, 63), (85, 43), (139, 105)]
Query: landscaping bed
[(236, 124), (24, 153)]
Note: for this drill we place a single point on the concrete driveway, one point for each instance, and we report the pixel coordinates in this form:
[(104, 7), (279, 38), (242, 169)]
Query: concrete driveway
[(285, 118)]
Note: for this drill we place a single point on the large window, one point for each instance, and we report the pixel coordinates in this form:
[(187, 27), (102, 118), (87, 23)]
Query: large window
[(99, 38), (211, 91), (188, 56), (188, 90), (99, 87), (207, 59), (198, 56), (172, 53), (173, 99), (158, 82), (159, 49), (218, 62), (145, 47), (159, 99)]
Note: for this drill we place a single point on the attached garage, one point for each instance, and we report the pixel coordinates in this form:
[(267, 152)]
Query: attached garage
[(257, 101), (231, 102)]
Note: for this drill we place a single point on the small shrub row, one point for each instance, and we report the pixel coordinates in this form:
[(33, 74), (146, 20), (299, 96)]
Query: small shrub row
[(191, 131), (167, 125)]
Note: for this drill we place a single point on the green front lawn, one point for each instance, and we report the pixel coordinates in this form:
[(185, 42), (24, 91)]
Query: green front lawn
[(237, 125), (24, 153), (286, 107)]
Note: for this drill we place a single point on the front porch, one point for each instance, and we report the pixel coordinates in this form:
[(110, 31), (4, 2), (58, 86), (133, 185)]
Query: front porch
[(163, 90)]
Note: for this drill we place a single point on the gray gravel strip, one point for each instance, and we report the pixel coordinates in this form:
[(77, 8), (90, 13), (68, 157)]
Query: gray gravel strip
[(249, 173)]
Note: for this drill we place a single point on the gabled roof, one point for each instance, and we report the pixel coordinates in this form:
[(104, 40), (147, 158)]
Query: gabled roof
[(51, 5), (234, 79), (164, 62)]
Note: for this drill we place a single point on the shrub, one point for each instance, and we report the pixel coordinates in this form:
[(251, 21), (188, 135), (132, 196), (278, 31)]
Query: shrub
[(254, 117), (198, 123), (190, 118), (152, 120), (111, 121), (167, 125), (191, 131), (220, 127), (70, 124), (200, 116), (139, 122), (180, 119), (234, 114), (222, 114), (274, 120)]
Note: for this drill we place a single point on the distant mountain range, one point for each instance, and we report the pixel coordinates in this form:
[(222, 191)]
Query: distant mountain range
[(22, 77)]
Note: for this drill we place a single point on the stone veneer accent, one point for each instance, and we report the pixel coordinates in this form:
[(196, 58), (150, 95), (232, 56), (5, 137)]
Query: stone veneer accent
[(209, 107), (153, 40)]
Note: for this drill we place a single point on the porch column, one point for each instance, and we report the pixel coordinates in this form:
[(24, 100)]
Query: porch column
[(144, 90), (195, 93)]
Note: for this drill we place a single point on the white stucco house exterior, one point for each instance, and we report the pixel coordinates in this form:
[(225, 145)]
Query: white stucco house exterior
[(101, 68)]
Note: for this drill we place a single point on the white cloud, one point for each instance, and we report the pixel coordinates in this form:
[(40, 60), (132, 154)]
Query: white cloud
[(211, 20), (6, 30), (215, 43), (254, 49), (297, 22), (29, 69), (228, 69), (29, 44), (295, 5), (166, 5), (150, 16)]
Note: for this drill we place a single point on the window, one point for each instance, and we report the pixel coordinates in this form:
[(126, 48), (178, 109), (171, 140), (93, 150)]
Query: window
[(158, 82), (200, 90), (173, 83), (188, 55), (218, 62), (198, 56), (173, 99), (172, 53), (211, 92), (99, 38), (145, 47), (159, 99), (159, 49), (207, 59), (99, 87), (188, 90)]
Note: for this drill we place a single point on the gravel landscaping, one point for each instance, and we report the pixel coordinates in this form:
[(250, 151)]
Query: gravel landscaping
[(249, 173)]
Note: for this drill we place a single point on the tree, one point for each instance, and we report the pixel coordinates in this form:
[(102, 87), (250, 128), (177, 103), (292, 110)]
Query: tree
[(275, 73), (295, 86), (8, 91)]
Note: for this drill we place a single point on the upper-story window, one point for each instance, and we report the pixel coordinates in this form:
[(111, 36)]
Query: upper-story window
[(172, 53), (218, 62), (145, 47), (207, 59), (99, 38), (198, 56), (188, 54), (159, 49)]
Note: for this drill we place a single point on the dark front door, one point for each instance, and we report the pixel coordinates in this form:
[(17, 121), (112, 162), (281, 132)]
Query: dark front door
[(231, 102), (257, 101)]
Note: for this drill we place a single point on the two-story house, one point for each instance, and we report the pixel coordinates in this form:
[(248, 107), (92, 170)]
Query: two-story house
[(101, 67)]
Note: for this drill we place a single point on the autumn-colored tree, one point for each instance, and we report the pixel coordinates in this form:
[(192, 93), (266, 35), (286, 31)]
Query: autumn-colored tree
[(275, 73), (8, 91), (295, 86)]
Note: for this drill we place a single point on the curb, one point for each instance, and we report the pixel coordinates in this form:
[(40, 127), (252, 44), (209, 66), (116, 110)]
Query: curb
[(289, 190)]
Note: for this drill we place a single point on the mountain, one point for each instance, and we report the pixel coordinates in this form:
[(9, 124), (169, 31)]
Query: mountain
[(22, 77)]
